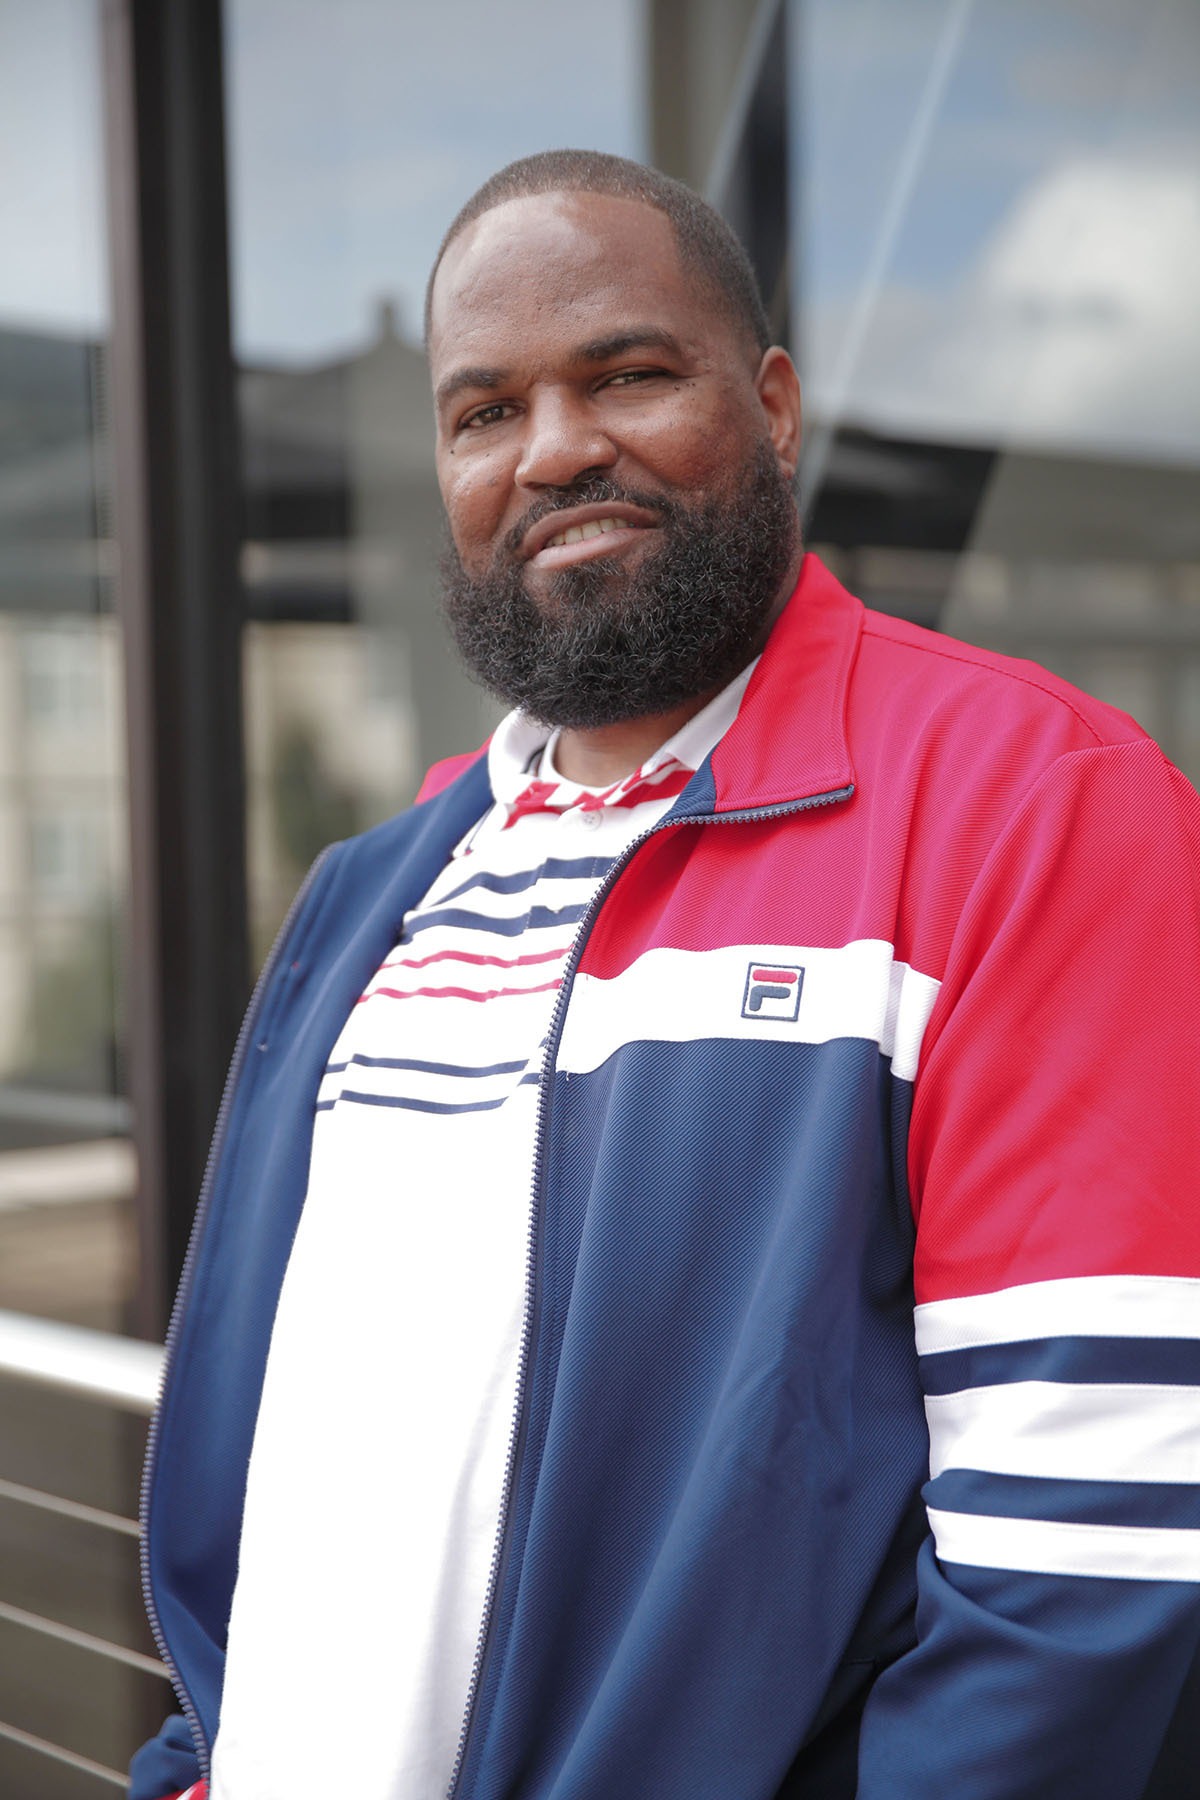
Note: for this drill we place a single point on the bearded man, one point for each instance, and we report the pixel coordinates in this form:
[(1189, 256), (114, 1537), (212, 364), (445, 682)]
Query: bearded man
[(546, 1416)]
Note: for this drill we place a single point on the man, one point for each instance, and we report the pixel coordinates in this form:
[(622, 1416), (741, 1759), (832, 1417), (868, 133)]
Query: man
[(545, 1369)]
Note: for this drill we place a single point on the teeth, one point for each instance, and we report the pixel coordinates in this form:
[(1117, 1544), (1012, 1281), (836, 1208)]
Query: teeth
[(575, 534)]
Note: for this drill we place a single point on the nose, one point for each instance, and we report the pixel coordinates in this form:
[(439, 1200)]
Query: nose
[(563, 442)]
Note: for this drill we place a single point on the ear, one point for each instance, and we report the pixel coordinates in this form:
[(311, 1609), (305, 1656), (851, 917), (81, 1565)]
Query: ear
[(778, 387)]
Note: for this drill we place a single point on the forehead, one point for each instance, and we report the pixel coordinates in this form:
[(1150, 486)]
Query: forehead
[(548, 266)]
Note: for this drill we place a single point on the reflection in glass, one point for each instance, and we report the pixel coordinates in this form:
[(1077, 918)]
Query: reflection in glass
[(351, 689), (66, 1169), (999, 237), (68, 1246)]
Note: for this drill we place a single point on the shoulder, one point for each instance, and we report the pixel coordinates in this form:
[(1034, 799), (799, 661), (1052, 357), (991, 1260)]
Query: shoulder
[(965, 729), (440, 775), (927, 675), (978, 773)]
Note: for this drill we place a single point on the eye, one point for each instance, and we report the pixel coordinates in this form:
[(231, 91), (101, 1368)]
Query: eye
[(627, 378), (492, 414)]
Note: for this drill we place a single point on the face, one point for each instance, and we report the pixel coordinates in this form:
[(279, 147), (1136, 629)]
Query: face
[(614, 458)]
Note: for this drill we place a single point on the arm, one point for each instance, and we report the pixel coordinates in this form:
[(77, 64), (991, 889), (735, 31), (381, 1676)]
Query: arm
[(1053, 1158)]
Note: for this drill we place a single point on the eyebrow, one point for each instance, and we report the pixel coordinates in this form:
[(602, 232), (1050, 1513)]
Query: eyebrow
[(596, 350), (477, 377), (637, 337)]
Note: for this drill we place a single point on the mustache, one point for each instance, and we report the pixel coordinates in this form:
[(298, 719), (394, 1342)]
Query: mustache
[(590, 490)]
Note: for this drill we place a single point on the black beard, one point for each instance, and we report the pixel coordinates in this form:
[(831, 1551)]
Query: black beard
[(607, 645)]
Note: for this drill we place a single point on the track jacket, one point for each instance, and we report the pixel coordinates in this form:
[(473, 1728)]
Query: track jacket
[(896, 1008)]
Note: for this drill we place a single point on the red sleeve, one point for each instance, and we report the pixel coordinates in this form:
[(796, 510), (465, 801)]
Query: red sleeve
[(1056, 1127), (1054, 1145)]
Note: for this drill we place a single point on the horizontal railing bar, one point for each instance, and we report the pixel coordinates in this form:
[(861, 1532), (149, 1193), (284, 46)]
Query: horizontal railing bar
[(83, 1112), (94, 1171), (73, 1760), (82, 1640), (76, 1360), (68, 1509)]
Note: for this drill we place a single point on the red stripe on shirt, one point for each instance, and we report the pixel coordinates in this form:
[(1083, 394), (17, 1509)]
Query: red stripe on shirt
[(467, 956), (453, 993)]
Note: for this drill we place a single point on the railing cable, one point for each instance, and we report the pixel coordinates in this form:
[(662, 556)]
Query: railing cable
[(81, 1640), (56, 1752), (68, 1509)]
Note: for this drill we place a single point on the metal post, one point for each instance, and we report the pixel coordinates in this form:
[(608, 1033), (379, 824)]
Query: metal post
[(718, 117), (695, 51), (749, 180), (176, 510)]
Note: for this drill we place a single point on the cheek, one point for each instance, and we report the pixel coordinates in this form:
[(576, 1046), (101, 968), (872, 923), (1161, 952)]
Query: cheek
[(472, 500), (699, 445)]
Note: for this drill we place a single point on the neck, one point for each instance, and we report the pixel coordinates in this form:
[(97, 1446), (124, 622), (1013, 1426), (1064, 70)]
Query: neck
[(598, 757)]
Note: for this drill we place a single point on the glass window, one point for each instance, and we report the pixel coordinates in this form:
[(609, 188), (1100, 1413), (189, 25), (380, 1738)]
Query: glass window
[(66, 1168), (68, 1247), (998, 222), (355, 135)]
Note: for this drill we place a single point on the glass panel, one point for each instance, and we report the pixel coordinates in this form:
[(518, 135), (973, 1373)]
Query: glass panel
[(354, 139), (66, 1167), (67, 1240), (1000, 276), (310, 780)]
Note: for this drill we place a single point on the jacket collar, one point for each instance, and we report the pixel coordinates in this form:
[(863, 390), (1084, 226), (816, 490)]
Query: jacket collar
[(789, 740)]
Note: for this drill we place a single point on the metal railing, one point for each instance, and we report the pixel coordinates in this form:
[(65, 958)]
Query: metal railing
[(110, 1371), (76, 1360)]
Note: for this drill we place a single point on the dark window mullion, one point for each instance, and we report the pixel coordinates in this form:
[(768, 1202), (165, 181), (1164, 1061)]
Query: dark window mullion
[(176, 506)]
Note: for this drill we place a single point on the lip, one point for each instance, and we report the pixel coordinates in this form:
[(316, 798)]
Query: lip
[(536, 542)]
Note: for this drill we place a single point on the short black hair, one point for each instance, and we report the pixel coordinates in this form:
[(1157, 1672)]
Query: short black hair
[(706, 243)]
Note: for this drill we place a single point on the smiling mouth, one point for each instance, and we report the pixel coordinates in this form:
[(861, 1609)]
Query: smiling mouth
[(592, 540), (606, 526), (576, 534)]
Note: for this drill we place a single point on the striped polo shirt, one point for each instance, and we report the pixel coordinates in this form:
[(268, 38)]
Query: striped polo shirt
[(377, 1476)]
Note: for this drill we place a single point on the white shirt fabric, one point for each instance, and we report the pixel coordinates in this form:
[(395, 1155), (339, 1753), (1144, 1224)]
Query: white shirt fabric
[(377, 1476)]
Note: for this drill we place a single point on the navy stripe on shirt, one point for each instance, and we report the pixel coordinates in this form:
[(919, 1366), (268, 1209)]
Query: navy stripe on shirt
[(425, 1068), (536, 918), (555, 869), (410, 1104)]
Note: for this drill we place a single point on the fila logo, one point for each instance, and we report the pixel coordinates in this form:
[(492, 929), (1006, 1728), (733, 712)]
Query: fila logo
[(772, 992)]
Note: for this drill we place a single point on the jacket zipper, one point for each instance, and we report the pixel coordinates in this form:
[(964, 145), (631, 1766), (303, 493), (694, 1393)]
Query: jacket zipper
[(235, 1068), (516, 1441)]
